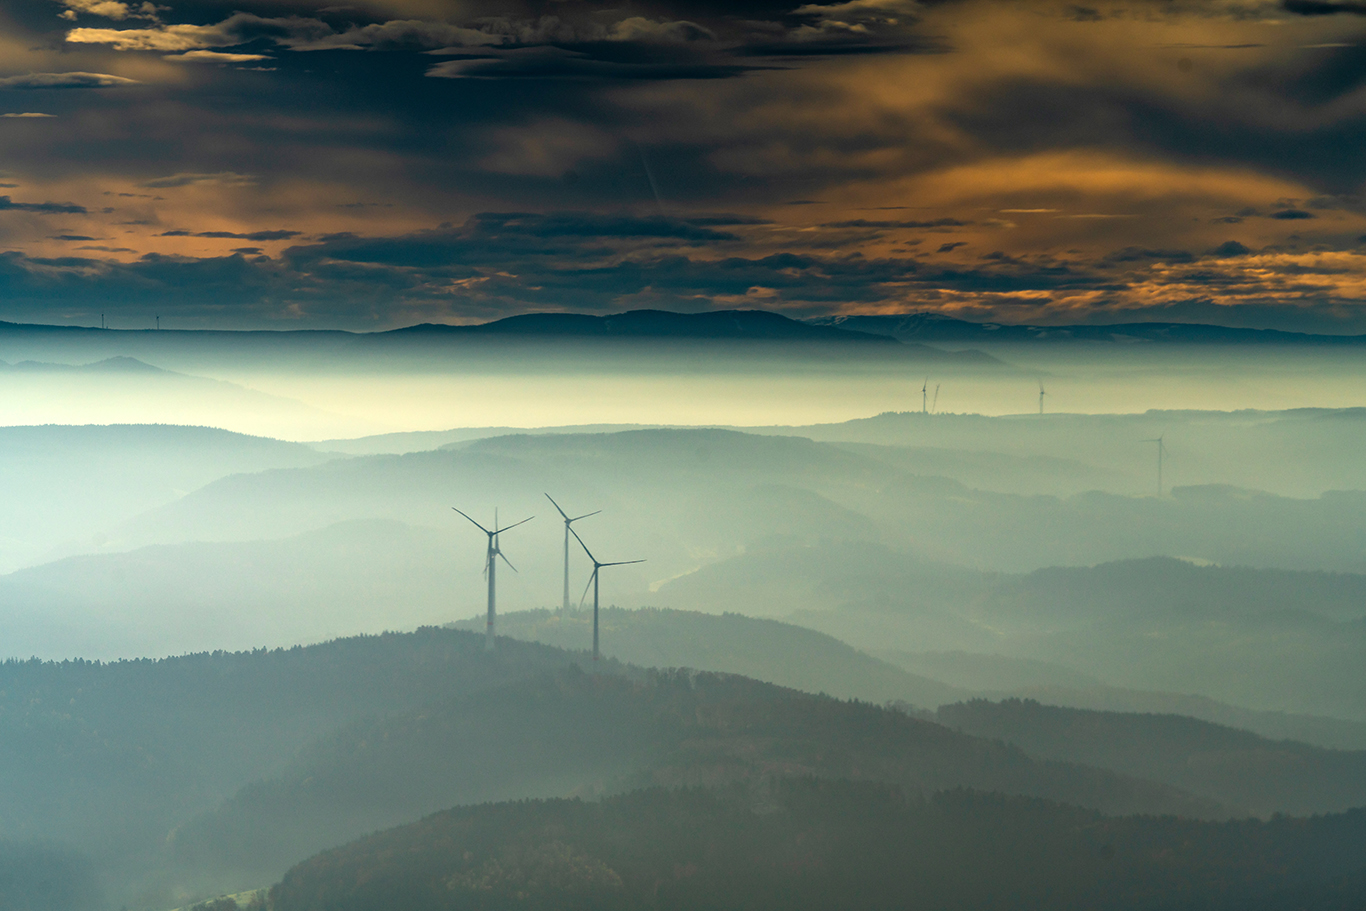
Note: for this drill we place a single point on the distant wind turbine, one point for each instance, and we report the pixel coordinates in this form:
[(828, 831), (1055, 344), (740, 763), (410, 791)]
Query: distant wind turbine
[(935, 406), (491, 568), (924, 408), (567, 522), (1041, 395), (593, 583), (1161, 451)]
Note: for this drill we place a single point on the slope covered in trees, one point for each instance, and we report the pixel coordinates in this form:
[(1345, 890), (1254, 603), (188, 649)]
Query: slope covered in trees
[(1235, 767), (111, 757), (819, 845), (767, 650), (575, 733)]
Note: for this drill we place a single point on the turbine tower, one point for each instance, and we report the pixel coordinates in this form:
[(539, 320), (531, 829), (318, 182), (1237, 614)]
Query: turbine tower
[(593, 583), (1161, 451), (567, 522), (491, 568)]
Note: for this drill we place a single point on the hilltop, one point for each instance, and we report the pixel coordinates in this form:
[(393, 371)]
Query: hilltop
[(766, 650)]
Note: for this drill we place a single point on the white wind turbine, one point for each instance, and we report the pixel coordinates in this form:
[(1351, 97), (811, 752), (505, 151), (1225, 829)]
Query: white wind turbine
[(491, 568), (593, 583), (1161, 451), (1041, 395), (567, 522)]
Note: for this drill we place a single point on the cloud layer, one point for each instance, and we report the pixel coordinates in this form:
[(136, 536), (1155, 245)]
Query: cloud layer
[(1018, 161)]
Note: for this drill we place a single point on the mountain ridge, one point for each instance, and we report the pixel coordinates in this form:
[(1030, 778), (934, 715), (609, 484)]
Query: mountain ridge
[(929, 328)]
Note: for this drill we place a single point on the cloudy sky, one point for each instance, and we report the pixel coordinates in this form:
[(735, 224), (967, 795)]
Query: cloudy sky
[(280, 163)]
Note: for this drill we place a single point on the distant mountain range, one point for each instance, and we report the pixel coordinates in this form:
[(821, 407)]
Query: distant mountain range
[(652, 324), (660, 324), (935, 328), (746, 325)]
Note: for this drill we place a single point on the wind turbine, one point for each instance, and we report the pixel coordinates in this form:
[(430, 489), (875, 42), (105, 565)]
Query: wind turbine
[(491, 568), (924, 390), (1161, 450), (1041, 395), (935, 406), (593, 583), (567, 522)]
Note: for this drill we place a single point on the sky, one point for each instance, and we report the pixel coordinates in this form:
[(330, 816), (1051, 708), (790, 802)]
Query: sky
[(296, 164)]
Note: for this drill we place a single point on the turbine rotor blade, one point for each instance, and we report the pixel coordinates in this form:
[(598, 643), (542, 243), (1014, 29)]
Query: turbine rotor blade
[(557, 507), (584, 546), (508, 562), (584, 516), (513, 525), (591, 577), (476, 524), (621, 563)]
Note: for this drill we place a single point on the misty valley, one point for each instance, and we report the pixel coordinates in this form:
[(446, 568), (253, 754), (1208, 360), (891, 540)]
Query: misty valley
[(744, 638)]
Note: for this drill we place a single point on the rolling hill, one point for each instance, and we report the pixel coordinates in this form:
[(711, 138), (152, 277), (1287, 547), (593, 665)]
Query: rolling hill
[(817, 845), (1235, 767), (577, 733), (766, 650)]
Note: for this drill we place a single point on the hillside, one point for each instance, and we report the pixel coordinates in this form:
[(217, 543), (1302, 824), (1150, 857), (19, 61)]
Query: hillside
[(44, 877), (57, 483), (1235, 767), (575, 733), (361, 576), (767, 650), (997, 676), (1263, 639), (110, 757), (1295, 452), (815, 846)]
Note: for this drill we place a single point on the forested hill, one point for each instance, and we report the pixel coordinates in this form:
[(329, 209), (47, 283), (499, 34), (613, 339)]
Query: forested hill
[(576, 733), (764, 649), (820, 845), (111, 757), (1236, 767)]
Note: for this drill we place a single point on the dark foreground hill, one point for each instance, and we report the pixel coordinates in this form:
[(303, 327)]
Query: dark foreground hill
[(109, 758), (39, 877), (825, 845), (1235, 767), (575, 733)]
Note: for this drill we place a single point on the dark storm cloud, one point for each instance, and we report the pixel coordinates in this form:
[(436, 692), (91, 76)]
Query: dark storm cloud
[(552, 119), (1139, 254), (499, 237), (1321, 8), (549, 62), (561, 42), (865, 223), (233, 235), (7, 204), (64, 81)]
